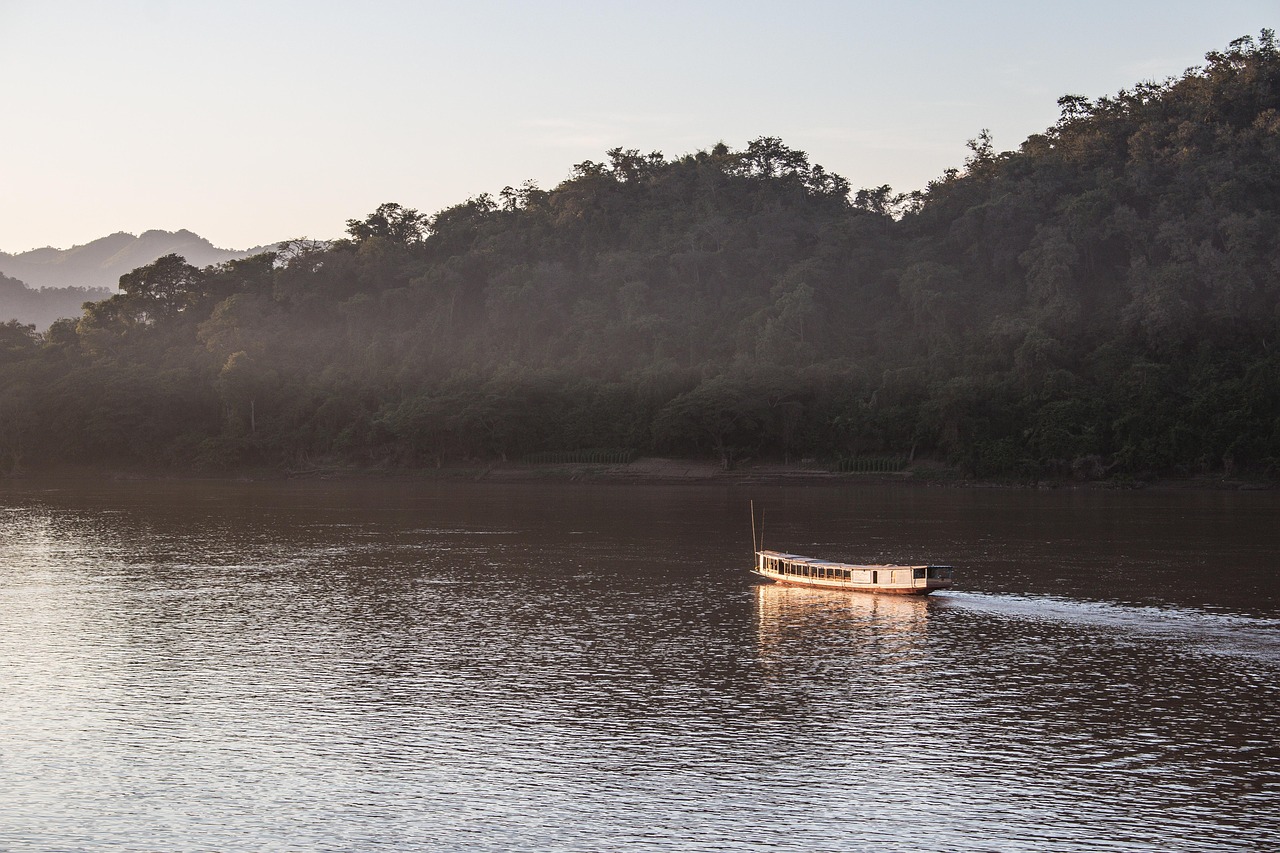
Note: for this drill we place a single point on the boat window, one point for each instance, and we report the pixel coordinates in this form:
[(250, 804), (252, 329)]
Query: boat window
[(918, 573)]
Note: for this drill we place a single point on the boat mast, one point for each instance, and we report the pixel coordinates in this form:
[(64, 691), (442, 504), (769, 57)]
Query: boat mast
[(753, 528)]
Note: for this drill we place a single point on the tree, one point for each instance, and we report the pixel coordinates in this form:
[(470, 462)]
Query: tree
[(723, 411), (401, 226), (17, 340), (162, 288)]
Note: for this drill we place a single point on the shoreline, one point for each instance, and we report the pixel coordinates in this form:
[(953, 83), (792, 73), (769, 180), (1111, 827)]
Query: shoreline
[(659, 471)]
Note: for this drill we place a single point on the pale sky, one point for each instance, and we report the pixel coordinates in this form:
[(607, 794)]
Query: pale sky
[(252, 122)]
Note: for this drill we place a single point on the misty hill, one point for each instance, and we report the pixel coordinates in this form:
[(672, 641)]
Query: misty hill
[(101, 262), (1101, 302), (41, 306)]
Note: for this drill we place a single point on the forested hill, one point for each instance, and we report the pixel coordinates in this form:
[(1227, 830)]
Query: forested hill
[(1102, 302)]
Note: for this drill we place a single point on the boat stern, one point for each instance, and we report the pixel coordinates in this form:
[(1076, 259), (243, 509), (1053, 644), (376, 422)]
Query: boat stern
[(928, 578)]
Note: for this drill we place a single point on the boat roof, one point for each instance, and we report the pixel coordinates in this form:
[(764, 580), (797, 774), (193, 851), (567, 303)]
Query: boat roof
[(813, 561)]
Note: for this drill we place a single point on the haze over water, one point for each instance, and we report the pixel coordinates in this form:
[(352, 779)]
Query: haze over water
[(191, 666)]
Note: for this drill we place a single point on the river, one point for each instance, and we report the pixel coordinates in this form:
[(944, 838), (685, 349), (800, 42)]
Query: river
[(432, 666)]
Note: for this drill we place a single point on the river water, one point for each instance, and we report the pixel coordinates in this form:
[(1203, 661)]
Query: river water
[(392, 666)]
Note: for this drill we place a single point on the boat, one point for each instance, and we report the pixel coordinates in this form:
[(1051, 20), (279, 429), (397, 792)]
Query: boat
[(795, 570)]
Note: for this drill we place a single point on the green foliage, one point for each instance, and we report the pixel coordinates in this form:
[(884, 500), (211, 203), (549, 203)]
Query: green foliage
[(1101, 302)]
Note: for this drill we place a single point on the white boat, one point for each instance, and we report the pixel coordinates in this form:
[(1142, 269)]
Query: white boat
[(824, 574), (796, 570)]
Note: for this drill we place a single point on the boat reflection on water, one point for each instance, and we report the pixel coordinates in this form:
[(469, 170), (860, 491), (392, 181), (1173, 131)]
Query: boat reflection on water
[(793, 621), (778, 605)]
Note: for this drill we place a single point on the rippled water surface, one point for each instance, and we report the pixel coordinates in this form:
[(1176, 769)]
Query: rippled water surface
[(189, 666)]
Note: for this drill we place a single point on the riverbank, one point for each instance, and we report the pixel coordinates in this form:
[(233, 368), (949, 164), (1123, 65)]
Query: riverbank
[(666, 471), (650, 471)]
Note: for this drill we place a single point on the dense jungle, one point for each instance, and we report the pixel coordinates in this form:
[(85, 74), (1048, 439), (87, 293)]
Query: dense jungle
[(1101, 303)]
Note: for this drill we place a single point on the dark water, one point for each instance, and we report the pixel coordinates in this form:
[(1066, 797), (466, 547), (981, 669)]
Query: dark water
[(485, 667)]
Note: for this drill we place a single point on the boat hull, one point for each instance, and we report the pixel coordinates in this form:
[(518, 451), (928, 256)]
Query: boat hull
[(855, 587)]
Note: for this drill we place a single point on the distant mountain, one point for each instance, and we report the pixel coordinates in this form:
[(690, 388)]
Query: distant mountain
[(41, 306), (102, 262)]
